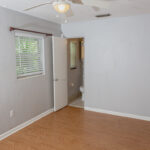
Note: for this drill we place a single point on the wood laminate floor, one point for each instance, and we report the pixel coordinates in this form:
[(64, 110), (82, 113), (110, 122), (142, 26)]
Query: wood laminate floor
[(76, 129)]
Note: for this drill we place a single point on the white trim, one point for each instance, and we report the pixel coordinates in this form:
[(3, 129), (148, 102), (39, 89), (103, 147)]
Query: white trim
[(118, 113), (30, 74), (25, 124)]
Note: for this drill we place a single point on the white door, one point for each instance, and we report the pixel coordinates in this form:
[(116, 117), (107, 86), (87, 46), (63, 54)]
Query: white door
[(60, 73)]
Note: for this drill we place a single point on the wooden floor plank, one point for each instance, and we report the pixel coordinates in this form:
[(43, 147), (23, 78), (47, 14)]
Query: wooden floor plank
[(76, 129)]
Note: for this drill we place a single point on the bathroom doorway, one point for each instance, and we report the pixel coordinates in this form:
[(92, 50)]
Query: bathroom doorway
[(76, 72)]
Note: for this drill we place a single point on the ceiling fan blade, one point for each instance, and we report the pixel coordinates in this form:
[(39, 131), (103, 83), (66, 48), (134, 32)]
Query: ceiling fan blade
[(103, 15), (97, 3), (69, 13), (38, 6), (76, 1)]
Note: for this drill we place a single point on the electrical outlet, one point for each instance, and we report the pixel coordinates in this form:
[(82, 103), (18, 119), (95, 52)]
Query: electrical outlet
[(11, 113)]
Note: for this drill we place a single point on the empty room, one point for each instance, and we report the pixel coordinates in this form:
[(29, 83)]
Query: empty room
[(75, 75)]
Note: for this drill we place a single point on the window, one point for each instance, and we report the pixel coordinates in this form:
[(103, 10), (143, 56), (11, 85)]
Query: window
[(73, 53), (29, 60)]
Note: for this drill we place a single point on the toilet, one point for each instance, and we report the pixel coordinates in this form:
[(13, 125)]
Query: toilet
[(82, 91)]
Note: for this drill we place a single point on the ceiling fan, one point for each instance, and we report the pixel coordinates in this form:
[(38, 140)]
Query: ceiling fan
[(64, 6)]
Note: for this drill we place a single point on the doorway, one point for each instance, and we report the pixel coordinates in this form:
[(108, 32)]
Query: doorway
[(75, 52), (68, 72)]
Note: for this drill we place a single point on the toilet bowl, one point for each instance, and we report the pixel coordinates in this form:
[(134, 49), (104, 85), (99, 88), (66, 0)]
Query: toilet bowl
[(82, 91)]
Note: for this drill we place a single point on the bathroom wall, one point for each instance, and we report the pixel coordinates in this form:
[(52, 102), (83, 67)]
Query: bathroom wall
[(27, 97)]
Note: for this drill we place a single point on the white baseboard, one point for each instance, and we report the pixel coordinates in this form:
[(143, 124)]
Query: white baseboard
[(118, 113), (25, 124)]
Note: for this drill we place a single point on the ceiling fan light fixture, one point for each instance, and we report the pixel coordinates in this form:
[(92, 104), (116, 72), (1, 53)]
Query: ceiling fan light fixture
[(61, 7)]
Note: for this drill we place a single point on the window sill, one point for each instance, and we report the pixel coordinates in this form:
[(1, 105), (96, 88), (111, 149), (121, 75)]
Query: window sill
[(30, 76)]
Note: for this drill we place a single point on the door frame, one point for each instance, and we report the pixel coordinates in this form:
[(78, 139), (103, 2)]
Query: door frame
[(75, 38), (67, 38)]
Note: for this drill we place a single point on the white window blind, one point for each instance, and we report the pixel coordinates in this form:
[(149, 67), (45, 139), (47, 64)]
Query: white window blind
[(29, 58)]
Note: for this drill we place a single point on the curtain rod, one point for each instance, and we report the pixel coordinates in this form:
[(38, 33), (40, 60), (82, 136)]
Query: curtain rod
[(13, 28)]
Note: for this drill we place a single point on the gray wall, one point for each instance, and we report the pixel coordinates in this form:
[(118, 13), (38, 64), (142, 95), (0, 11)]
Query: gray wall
[(27, 97), (117, 63)]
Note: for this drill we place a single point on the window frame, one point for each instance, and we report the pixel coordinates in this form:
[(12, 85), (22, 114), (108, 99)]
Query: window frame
[(42, 57)]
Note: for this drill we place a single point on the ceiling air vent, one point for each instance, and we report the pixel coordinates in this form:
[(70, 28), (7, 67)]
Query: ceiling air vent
[(103, 15)]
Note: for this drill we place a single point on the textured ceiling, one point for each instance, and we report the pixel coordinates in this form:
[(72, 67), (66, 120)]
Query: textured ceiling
[(81, 13)]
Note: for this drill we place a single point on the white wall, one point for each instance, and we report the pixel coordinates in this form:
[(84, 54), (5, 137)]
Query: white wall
[(117, 63), (27, 97)]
